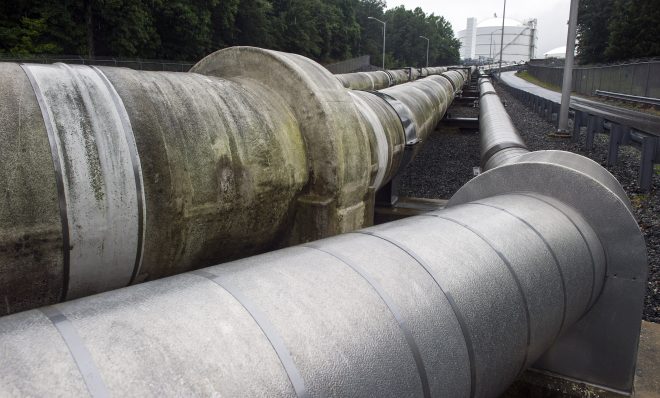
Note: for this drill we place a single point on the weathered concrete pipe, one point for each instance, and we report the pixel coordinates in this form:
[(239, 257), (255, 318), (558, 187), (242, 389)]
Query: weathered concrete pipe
[(381, 79), (365, 80), (455, 303), (114, 176)]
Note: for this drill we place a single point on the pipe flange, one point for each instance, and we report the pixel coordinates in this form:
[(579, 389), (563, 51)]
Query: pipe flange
[(329, 123), (581, 183)]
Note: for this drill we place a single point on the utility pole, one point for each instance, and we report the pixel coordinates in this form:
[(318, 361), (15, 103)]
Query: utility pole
[(384, 25), (499, 71), (568, 68), (490, 49), (427, 49)]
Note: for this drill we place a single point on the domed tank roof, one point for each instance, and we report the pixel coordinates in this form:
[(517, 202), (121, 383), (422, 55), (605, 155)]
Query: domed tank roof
[(498, 22), (559, 52)]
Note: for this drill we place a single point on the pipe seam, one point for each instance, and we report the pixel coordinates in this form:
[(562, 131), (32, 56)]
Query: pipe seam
[(587, 245), (507, 264), (500, 146), (137, 170), (267, 328), (552, 253), (59, 181), (457, 314), (100, 178), (396, 312), (81, 356)]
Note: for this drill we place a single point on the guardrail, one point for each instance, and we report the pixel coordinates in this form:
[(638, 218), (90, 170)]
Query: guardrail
[(640, 78), (628, 97), (624, 127)]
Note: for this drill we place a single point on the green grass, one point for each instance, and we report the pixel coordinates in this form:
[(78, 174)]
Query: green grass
[(523, 74), (638, 199)]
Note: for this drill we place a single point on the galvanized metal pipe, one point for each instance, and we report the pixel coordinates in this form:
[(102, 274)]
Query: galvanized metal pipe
[(584, 353), (500, 141), (116, 176)]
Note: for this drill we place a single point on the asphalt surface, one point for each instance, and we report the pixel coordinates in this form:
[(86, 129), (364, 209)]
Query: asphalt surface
[(639, 120), (446, 162)]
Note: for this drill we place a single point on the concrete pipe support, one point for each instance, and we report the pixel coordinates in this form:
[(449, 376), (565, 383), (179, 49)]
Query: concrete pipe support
[(455, 303), (115, 176)]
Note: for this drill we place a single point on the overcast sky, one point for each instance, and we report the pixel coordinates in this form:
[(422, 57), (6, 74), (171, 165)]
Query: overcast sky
[(552, 15)]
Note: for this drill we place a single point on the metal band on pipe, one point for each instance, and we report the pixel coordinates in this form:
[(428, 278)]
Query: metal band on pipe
[(137, 169), (402, 111), (81, 356), (499, 147), (552, 253), (96, 163), (586, 243), (59, 181), (394, 309), (513, 275), (268, 330), (409, 128), (457, 314)]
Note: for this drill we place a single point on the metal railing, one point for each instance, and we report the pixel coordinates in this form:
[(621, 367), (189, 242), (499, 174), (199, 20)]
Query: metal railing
[(628, 97), (638, 79)]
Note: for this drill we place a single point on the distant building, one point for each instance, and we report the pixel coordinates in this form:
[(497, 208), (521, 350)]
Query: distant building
[(482, 41), (559, 53), (469, 39)]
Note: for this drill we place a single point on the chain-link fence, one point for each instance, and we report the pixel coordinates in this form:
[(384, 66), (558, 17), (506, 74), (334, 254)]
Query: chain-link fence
[(133, 63), (640, 78)]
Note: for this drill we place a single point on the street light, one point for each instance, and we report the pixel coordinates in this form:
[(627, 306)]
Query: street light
[(490, 48), (499, 71), (384, 25), (427, 49), (568, 68)]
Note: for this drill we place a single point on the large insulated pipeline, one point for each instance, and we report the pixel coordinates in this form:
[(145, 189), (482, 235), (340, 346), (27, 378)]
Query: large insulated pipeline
[(500, 141), (114, 176), (381, 79), (454, 303)]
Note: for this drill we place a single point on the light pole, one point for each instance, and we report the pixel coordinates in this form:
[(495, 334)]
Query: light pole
[(427, 49), (384, 25), (499, 71), (490, 52), (568, 68)]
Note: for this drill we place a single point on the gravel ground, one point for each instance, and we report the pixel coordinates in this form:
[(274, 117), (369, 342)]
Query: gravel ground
[(446, 160), (444, 163)]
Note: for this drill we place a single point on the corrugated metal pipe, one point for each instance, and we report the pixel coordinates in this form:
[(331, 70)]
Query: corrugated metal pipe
[(521, 269), (113, 176)]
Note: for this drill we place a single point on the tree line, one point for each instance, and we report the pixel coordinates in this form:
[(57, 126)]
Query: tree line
[(187, 30), (614, 30)]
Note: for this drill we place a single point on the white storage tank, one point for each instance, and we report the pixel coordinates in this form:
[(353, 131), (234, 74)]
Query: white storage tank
[(482, 41)]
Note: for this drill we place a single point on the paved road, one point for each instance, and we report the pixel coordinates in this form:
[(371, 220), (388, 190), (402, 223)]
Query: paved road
[(638, 120)]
